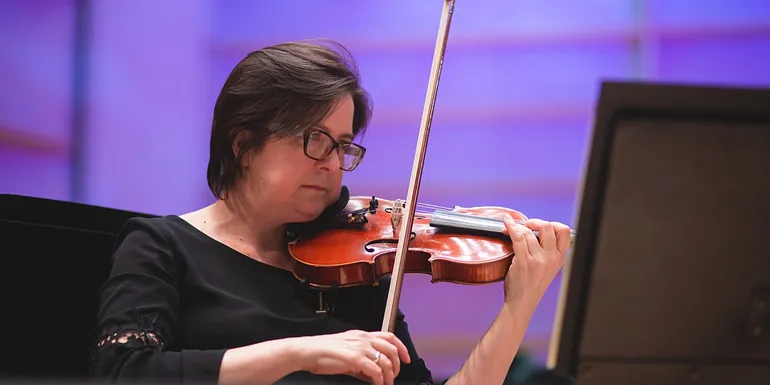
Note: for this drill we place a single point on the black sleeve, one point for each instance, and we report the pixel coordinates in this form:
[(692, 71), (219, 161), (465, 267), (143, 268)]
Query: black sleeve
[(416, 372), (138, 315)]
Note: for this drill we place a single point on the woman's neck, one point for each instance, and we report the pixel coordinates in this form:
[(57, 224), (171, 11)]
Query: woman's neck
[(257, 233)]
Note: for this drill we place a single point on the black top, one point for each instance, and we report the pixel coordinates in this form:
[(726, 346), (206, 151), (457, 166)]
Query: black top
[(179, 299)]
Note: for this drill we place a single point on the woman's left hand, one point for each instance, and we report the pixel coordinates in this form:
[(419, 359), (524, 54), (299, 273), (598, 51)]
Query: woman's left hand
[(536, 262)]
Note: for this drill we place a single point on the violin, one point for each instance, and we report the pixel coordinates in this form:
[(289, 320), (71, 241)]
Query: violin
[(374, 237), (358, 246)]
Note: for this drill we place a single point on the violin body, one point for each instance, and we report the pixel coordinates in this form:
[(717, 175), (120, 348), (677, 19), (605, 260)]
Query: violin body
[(359, 247)]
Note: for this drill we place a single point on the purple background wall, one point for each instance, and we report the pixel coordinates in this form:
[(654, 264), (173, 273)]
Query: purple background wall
[(125, 123)]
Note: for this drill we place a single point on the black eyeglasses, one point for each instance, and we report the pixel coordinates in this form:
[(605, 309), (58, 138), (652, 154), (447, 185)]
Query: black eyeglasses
[(319, 144)]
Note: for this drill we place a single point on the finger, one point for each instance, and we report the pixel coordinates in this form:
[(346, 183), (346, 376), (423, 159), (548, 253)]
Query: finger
[(387, 367), (388, 350), (403, 352), (563, 236), (545, 233), (517, 237), (533, 244), (371, 370)]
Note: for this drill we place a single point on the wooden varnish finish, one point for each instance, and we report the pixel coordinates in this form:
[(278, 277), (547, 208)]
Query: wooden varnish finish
[(359, 254)]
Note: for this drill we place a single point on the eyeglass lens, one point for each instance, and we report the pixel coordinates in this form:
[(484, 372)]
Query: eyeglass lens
[(319, 144)]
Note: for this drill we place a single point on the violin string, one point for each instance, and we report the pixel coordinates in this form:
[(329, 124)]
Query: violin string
[(455, 209), (431, 208), (427, 209), (428, 205)]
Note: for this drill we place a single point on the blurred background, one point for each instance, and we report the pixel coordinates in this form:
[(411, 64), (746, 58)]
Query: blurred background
[(109, 103)]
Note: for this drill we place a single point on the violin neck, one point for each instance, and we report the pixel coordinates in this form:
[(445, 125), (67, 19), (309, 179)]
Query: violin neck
[(454, 220)]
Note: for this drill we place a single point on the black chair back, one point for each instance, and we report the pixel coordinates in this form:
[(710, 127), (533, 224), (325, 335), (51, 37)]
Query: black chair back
[(55, 256)]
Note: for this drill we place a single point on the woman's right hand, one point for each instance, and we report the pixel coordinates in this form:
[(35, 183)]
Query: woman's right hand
[(354, 353)]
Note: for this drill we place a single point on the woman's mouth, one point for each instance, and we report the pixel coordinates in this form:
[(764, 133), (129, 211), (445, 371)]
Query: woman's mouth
[(313, 187)]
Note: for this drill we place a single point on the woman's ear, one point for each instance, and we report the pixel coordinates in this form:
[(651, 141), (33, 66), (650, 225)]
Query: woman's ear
[(240, 143)]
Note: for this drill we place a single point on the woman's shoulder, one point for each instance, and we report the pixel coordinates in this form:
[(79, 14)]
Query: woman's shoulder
[(168, 242), (162, 225), (163, 230)]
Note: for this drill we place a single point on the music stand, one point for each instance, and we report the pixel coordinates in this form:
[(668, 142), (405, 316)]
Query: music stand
[(669, 279)]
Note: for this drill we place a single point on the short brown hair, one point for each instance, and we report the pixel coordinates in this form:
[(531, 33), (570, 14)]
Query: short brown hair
[(277, 92)]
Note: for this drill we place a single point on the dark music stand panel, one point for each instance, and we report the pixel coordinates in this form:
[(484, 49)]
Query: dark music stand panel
[(56, 255), (669, 280)]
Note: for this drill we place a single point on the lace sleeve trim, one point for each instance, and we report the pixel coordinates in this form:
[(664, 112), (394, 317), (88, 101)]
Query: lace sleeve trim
[(130, 339), (118, 343), (124, 341)]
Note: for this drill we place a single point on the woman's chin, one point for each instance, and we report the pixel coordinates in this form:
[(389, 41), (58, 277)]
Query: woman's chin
[(307, 213)]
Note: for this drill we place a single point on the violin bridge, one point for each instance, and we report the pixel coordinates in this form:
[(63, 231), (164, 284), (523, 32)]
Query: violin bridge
[(396, 215)]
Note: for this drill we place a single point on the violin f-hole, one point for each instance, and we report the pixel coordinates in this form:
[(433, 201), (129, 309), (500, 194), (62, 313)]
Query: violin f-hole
[(389, 241)]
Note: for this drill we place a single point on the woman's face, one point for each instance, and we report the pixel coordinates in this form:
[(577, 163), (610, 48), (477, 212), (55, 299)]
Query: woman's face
[(282, 177)]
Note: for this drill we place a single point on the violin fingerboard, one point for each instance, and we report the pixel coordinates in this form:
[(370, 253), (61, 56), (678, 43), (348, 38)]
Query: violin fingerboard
[(454, 220)]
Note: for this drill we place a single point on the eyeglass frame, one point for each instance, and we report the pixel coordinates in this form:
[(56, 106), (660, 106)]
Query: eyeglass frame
[(335, 146)]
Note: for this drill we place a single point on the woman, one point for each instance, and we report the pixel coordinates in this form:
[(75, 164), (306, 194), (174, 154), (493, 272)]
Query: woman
[(209, 297)]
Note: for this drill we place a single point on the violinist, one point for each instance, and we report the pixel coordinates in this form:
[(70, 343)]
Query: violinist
[(209, 297)]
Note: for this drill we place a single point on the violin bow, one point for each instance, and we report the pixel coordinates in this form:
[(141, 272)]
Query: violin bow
[(397, 276)]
